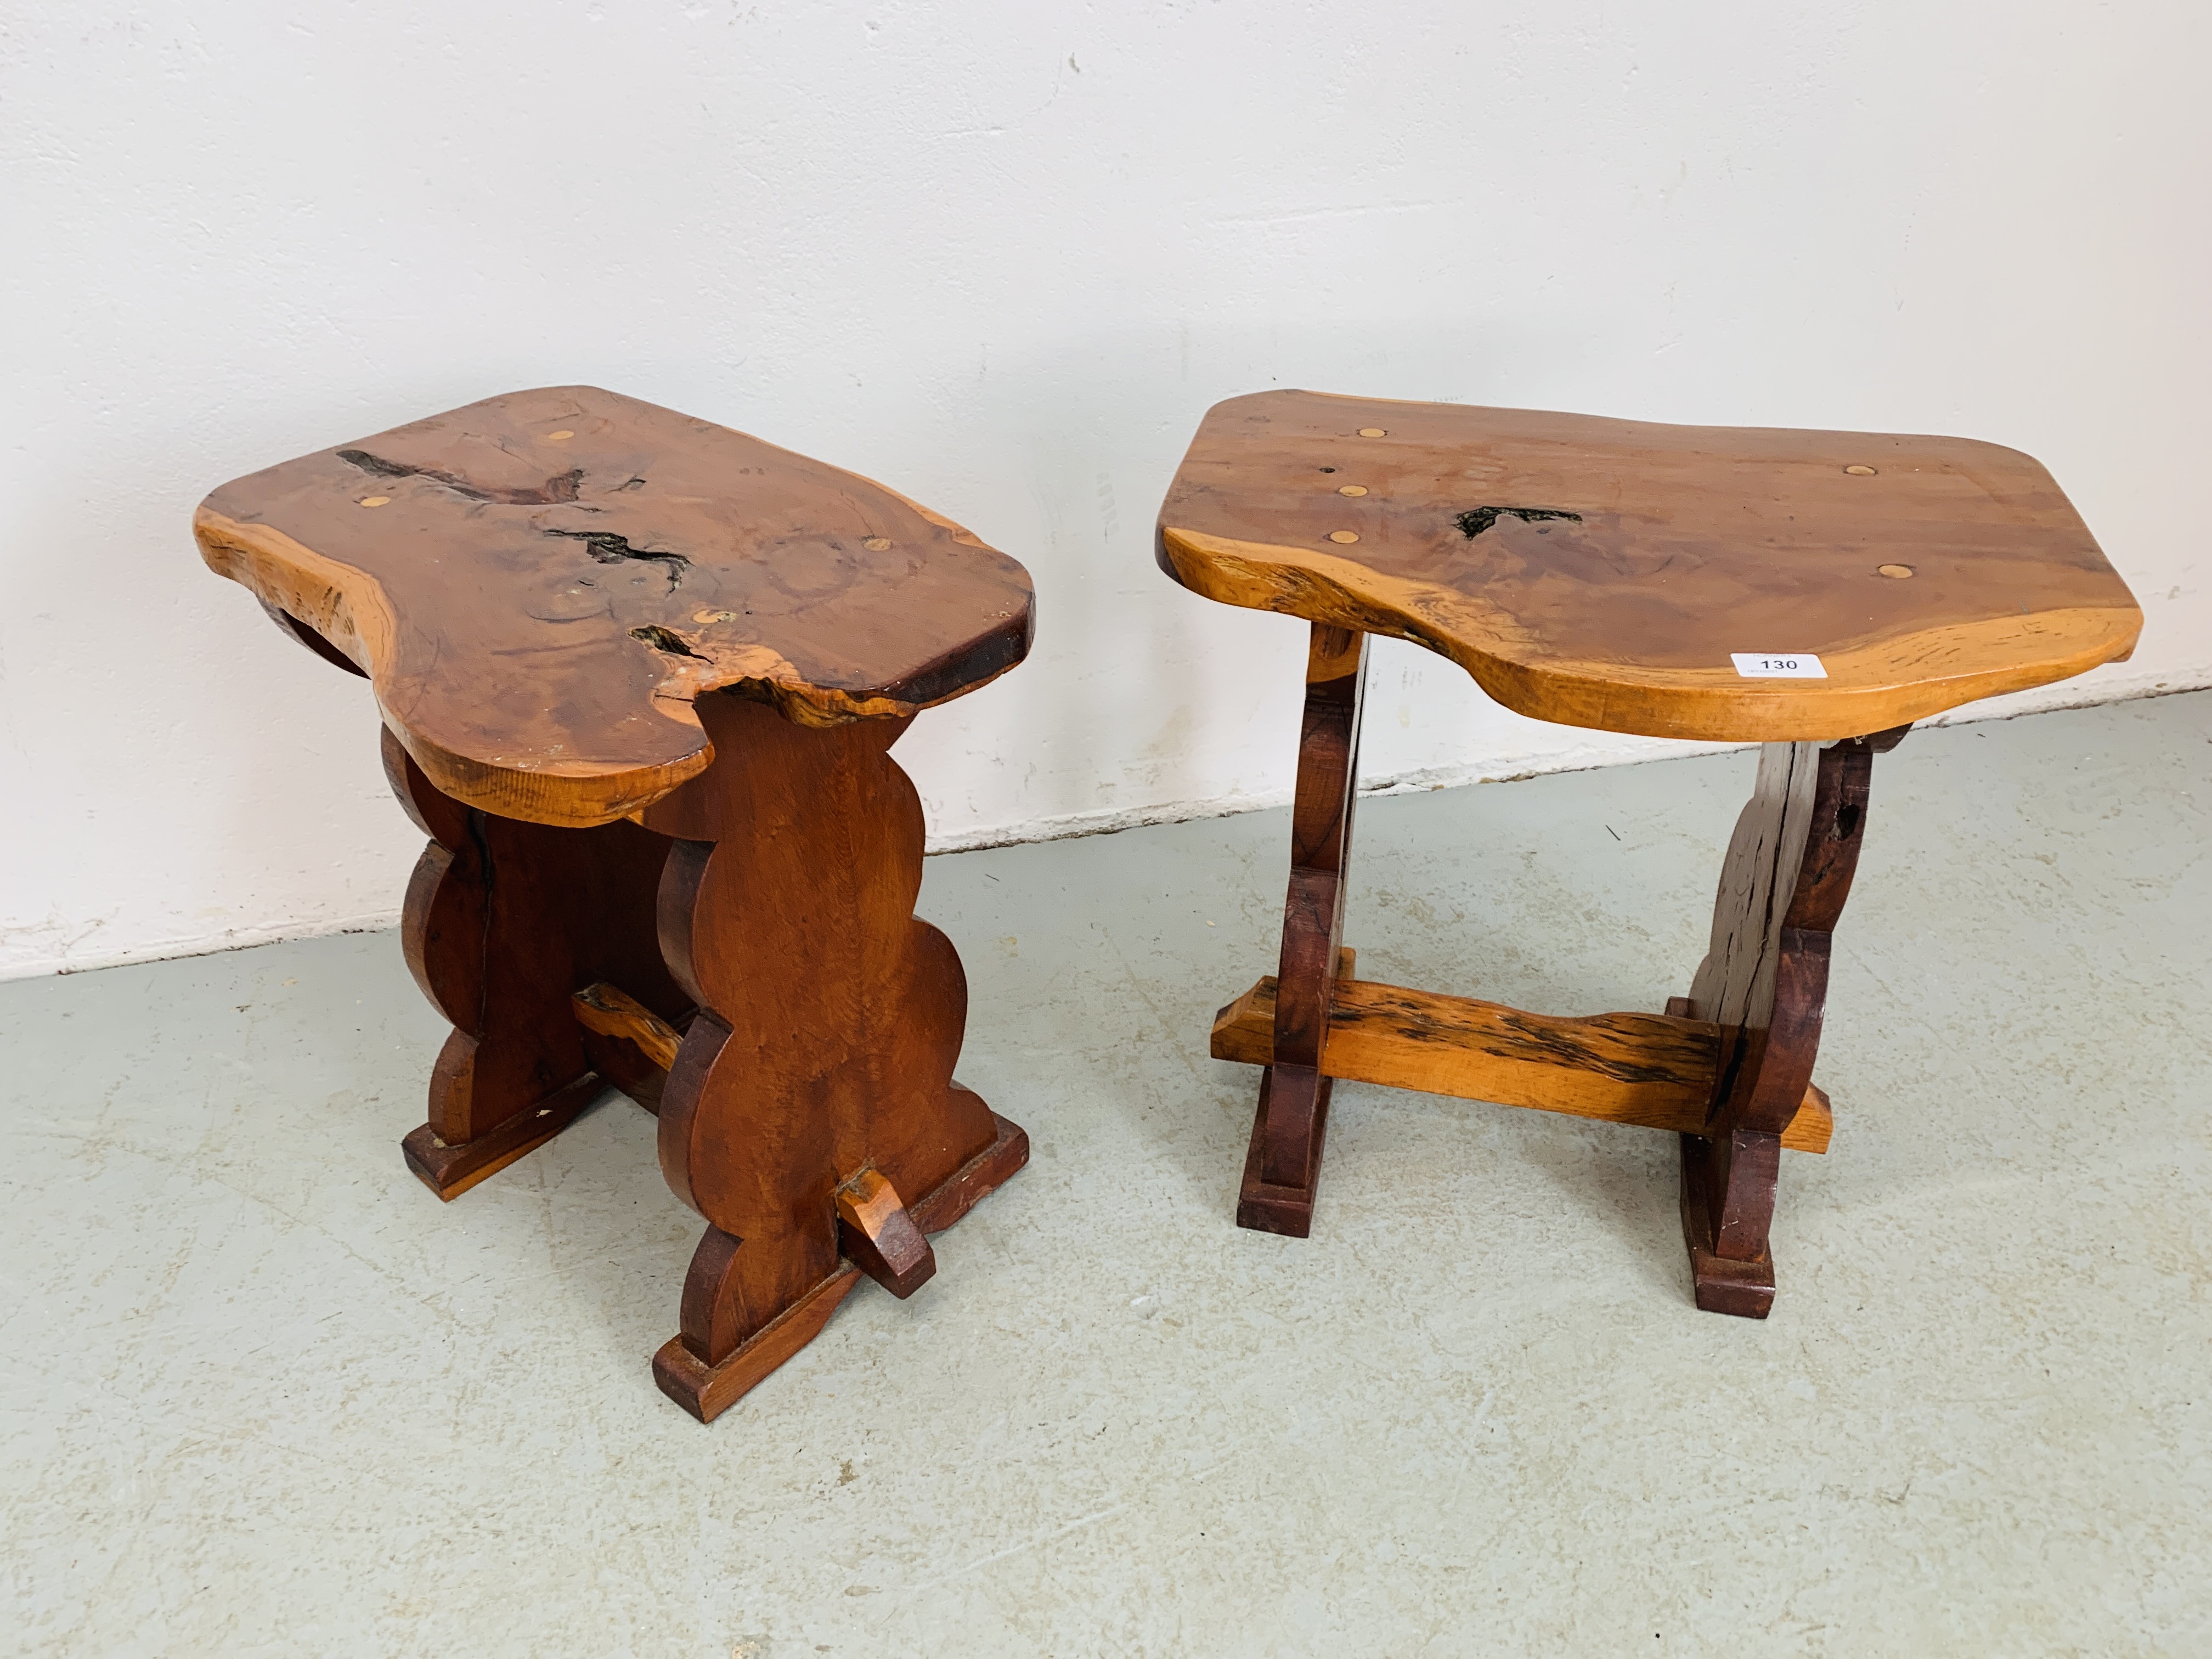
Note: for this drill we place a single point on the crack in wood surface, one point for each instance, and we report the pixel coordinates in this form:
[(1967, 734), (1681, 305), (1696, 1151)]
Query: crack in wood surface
[(610, 549), (556, 492), (665, 639)]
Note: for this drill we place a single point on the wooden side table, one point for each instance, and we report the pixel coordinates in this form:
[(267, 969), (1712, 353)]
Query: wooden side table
[(1813, 592), (639, 675)]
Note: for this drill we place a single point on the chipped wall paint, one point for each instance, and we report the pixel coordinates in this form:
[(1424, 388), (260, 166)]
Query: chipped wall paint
[(1001, 256)]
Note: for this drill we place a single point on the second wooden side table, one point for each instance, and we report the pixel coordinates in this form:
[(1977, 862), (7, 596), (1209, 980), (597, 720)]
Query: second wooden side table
[(1812, 592)]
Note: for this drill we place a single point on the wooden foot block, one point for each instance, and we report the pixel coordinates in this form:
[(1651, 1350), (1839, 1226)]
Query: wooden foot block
[(1744, 1289), (975, 1180), (449, 1171), (878, 1235), (706, 1391), (1265, 1207)]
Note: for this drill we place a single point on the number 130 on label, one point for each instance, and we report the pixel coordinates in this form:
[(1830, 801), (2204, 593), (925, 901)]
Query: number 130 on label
[(1778, 666)]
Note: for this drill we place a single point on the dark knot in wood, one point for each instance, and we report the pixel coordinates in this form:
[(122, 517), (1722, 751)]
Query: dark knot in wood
[(1476, 520)]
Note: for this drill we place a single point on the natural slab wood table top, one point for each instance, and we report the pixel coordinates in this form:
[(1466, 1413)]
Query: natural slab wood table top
[(1604, 572), (540, 584)]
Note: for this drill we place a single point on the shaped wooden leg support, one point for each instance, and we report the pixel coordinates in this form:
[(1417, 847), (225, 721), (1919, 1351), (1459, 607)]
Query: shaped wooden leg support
[(1765, 983), (1283, 1167), (503, 920), (747, 963), (1729, 1069), (814, 1089)]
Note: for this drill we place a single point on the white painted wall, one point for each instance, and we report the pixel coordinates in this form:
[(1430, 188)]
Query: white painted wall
[(1001, 255)]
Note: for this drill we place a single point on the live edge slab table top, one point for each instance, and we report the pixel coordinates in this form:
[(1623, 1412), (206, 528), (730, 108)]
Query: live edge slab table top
[(1816, 592), (639, 675)]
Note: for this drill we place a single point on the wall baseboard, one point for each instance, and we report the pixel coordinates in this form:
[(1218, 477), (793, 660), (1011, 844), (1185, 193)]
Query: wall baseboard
[(1588, 756)]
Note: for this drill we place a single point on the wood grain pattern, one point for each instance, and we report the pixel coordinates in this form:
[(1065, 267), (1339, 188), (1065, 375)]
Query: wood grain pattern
[(613, 1012), (1644, 1069), (1283, 1169), (706, 1391), (1765, 982), (975, 1180), (537, 612), (450, 1169), (880, 1238), (1600, 573), (802, 847), (502, 920)]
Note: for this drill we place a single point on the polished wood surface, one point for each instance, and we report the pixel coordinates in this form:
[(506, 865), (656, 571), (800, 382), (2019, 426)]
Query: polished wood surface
[(877, 1234), (748, 965), (1646, 1069), (540, 585), (1765, 982), (638, 676), (1727, 1069), (502, 922), (813, 1088), (1602, 572), (1608, 573), (706, 1391), (613, 1012), (1283, 1167)]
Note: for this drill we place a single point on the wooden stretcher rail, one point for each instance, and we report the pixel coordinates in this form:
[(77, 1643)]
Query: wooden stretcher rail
[(1654, 1070), (613, 1013)]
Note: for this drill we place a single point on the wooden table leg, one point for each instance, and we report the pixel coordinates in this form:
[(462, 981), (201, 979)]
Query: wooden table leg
[(1283, 1167), (503, 921), (1765, 982), (810, 1114)]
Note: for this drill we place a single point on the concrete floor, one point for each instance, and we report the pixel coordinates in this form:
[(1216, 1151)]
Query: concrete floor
[(265, 1396)]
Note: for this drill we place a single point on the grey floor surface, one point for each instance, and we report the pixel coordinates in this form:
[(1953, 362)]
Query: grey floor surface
[(263, 1395)]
